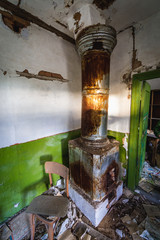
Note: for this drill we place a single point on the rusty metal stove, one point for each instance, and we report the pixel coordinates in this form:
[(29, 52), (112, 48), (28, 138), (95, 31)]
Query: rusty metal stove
[(94, 159)]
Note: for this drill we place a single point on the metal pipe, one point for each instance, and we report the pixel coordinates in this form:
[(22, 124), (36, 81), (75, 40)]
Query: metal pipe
[(95, 44)]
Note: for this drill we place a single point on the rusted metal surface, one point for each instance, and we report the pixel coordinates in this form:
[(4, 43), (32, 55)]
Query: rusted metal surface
[(95, 89), (95, 45), (94, 170), (98, 37)]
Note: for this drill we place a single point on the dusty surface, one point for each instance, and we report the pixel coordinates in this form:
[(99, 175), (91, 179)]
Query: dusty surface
[(122, 221)]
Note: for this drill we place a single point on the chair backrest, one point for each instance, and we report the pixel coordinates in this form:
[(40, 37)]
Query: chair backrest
[(59, 169)]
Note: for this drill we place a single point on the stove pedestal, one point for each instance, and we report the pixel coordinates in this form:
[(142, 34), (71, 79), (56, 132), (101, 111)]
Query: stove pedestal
[(94, 176)]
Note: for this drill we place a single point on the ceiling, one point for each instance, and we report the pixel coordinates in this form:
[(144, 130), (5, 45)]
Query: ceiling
[(118, 13)]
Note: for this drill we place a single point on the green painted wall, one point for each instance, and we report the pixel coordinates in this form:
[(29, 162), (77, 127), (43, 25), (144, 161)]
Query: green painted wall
[(123, 154), (22, 175)]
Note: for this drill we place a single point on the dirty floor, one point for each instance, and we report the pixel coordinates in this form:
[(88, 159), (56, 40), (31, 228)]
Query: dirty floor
[(132, 217)]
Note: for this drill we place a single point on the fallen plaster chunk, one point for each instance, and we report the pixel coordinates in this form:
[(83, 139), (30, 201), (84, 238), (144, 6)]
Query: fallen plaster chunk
[(80, 228), (152, 210), (16, 205), (126, 219), (119, 232), (146, 235), (67, 235), (125, 201), (127, 193)]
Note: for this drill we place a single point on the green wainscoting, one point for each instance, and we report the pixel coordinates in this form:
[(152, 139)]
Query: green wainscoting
[(22, 175), (123, 153)]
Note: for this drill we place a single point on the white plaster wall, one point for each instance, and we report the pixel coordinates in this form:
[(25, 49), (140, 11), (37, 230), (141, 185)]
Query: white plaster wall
[(119, 101), (154, 83), (147, 44), (32, 108), (148, 40)]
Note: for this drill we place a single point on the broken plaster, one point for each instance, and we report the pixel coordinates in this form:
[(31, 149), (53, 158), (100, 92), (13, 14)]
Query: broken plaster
[(42, 75), (16, 24), (137, 66), (103, 4)]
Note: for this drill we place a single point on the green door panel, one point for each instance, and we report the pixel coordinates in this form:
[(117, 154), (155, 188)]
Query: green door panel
[(134, 125), (144, 111)]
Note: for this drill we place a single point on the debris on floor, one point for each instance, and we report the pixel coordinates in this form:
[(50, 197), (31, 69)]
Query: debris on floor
[(5, 232), (132, 217), (151, 174)]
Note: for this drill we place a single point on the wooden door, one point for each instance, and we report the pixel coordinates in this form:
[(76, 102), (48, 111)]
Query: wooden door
[(143, 125), (138, 130)]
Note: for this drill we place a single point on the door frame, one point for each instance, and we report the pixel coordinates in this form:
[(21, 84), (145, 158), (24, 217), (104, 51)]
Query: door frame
[(137, 83)]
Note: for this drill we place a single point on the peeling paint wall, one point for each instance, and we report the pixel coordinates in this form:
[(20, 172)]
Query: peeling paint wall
[(141, 47), (32, 108)]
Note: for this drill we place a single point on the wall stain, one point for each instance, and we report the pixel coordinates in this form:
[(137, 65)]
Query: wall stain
[(77, 18), (127, 79), (135, 62), (68, 3)]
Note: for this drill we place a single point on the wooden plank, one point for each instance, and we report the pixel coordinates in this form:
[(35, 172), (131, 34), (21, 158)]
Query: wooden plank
[(147, 75), (133, 139), (144, 111), (19, 12)]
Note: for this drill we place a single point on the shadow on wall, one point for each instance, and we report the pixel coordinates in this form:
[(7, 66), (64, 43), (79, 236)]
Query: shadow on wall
[(63, 158), (32, 188)]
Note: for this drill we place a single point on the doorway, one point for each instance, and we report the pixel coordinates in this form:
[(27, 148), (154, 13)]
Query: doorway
[(138, 124)]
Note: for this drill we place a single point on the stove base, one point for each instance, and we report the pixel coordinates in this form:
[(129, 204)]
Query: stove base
[(93, 210)]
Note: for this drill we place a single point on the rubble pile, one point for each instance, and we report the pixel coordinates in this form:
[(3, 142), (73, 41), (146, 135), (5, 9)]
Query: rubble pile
[(132, 217)]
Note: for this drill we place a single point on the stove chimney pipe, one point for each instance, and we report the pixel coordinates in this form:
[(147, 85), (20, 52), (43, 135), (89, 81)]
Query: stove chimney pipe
[(95, 44)]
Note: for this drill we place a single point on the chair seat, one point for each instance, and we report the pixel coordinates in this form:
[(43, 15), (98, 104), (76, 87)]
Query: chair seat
[(48, 205)]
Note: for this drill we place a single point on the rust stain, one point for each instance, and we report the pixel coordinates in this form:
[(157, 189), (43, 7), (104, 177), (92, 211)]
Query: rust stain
[(110, 177), (103, 4), (95, 66), (80, 176), (15, 23), (95, 73), (94, 107)]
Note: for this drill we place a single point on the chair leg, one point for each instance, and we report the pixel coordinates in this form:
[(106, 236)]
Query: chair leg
[(32, 223), (50, 232)]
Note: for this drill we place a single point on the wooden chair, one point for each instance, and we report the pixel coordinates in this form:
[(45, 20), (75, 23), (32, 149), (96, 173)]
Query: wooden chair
[(40, 203)]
